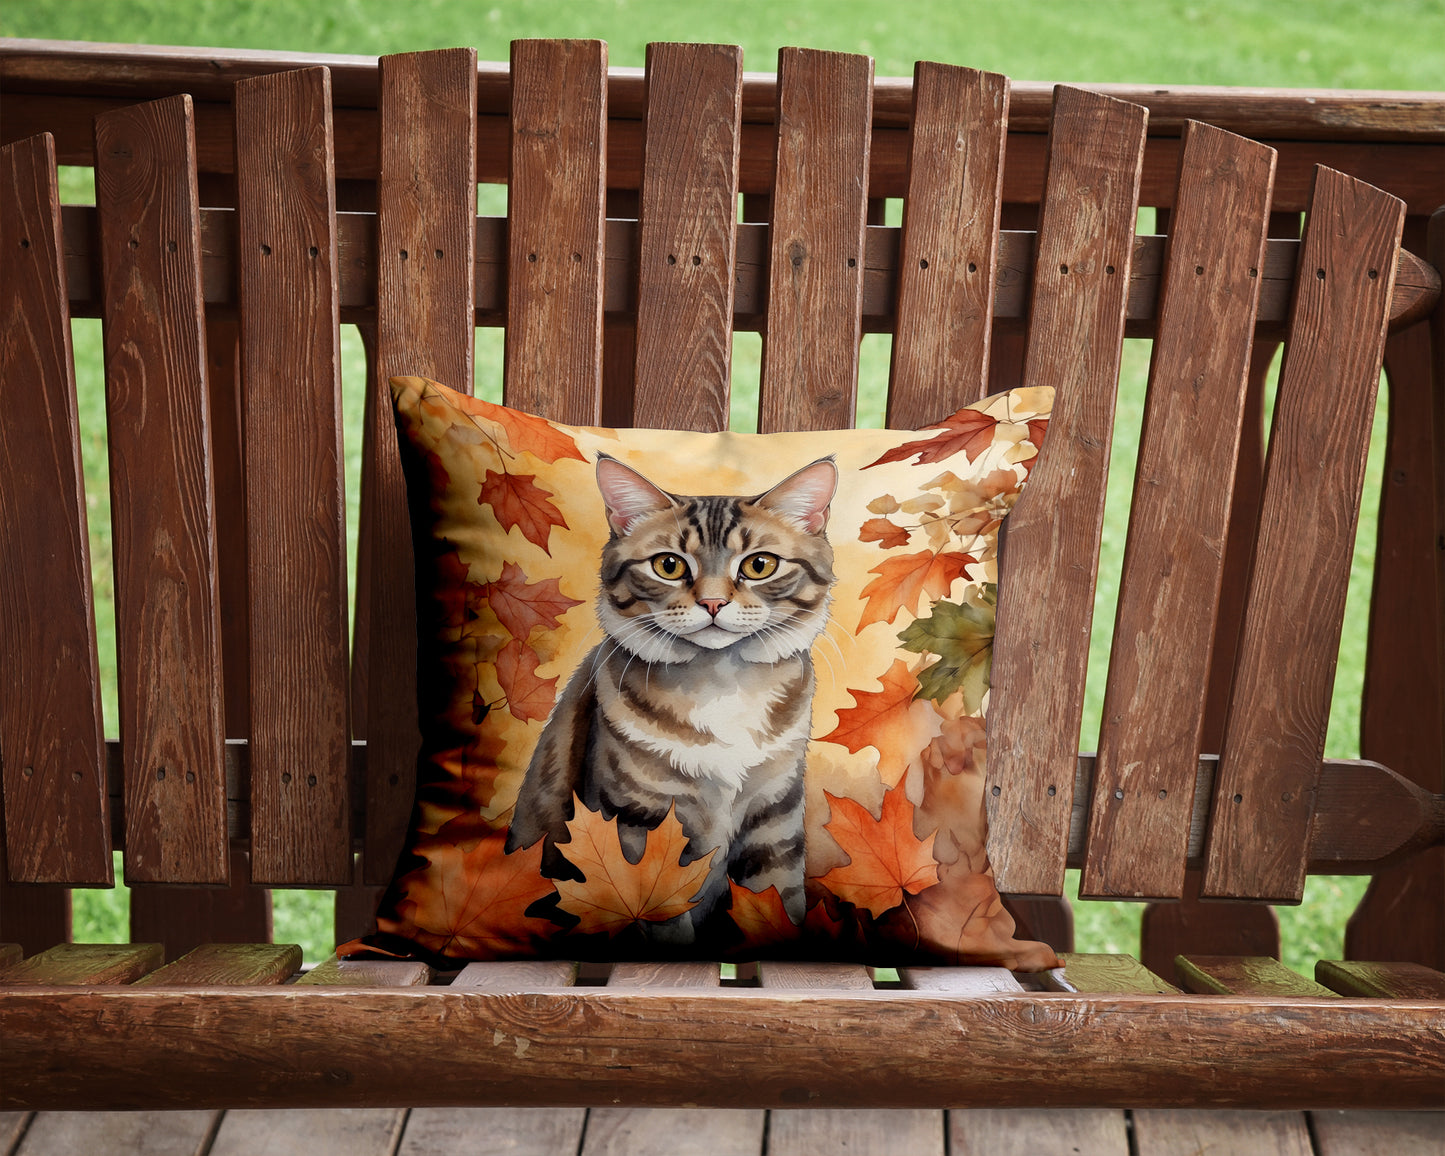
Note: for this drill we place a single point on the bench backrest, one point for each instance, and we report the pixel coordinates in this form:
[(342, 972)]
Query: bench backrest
[(242, 696)]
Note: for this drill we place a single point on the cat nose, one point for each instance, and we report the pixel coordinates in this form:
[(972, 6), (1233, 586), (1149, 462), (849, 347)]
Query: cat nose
[(713, 605)]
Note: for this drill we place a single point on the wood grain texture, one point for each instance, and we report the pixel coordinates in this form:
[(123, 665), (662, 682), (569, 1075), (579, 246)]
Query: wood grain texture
[(10, 953), (555, 206), (674, 1132), (664, 975), (1029, 1131), (687, 236), (1177, 1131), (1097, 972), (514, 1131), (1275, 732), (862, 1049), (183, 918), (168, 631), (131, 1133), (1242, 975), (320, 1132), (56, 818), (426, 221), (1194, 926), (1341, 1133), (517, 975), (13, 1126), (228, 963), (875, 1132), (947, 267), (816, 259), (1076, 330), (1384, 980), (959, 980), (1383, 925), (1153, 716), (336, 972), (34, 915), (300, 741), (70, 964), (786, 975)]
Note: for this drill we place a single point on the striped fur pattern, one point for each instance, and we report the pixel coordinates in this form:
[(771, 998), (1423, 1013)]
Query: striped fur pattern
[(700, 695)]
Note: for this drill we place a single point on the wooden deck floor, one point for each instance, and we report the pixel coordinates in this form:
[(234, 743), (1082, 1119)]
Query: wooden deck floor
[(702, 1132)]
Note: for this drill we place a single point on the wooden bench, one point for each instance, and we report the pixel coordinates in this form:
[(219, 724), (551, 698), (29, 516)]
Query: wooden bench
[(248, 203)]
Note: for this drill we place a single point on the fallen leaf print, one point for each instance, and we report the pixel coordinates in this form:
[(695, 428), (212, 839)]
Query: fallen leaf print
[(968, 431), (904, 581), (533, 435), (528, 697), (961, 635), (882, 719), (760, 915), (884, 532), (886, 859), (518, 501), (616, 893), (522, 606)]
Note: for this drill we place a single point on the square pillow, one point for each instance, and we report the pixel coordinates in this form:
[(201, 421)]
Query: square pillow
[(711, 696)]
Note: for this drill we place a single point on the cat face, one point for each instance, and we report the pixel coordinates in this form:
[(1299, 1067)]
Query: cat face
[(681, 574)]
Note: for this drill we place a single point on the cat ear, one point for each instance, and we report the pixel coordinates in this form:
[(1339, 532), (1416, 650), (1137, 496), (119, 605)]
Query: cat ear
[(804, 497), (627, 494)]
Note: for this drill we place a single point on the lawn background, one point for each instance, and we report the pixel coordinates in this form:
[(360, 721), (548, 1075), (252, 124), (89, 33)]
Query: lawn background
[(1382, 44)]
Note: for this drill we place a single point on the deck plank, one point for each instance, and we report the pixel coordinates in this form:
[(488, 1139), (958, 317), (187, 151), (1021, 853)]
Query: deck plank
[(119, 1133), (1026, 1131), (314, 1131), (856, 1131), (1173, 1132), (472, 1131), (1342, 1133)]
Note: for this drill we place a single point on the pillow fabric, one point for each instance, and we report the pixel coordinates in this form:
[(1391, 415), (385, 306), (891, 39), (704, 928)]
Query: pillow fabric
[(704, 695)]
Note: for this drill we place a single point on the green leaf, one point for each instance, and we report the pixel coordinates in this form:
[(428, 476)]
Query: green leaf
[(961, 635)]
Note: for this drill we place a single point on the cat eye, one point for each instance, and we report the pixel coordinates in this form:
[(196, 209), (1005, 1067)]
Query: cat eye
[(669, 566), (759, 566)]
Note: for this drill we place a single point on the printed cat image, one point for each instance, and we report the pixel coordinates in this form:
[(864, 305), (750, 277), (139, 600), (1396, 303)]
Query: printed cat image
[(699, 698)]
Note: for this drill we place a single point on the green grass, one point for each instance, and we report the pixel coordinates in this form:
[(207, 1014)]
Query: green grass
[(1315, 43)]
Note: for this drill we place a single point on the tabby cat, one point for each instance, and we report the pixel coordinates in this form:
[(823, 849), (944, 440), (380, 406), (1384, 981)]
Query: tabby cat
[(700, 695)]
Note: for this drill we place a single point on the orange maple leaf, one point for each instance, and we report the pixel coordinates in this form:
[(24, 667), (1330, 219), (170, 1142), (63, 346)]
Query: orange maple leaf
[(884, 532), (760, 915), (882, 719), (968, 430), (616, 893), (472, 900), (528, 697), (902, 581), (518, 501), (963, 921), (885, 858), (533, 435), (522, 606)]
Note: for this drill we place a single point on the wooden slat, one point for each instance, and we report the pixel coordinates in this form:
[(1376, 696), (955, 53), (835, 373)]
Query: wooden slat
[(300, 746), (317, 1132), (517, 975), (515, 1131), (1172, 1131), (859, 1132), (183, 918), (426, 218), (959, 980), (1097, 972), (1153, 714), (368, 973), (1243, 975), (168, 632), (228, 963), (555, 205), (947, 267), (56, 821), (1385, 980), (687, 236), (816, 259), (1081, 275), (1030, 1131), (10, 953), (1191, 925), (1341, 1133), (71, 964), (33, 915), (12, 1127), (1275, 732), (664, 975), (855, 1049), (785, 975), (674, 1132), (131, 1133)]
